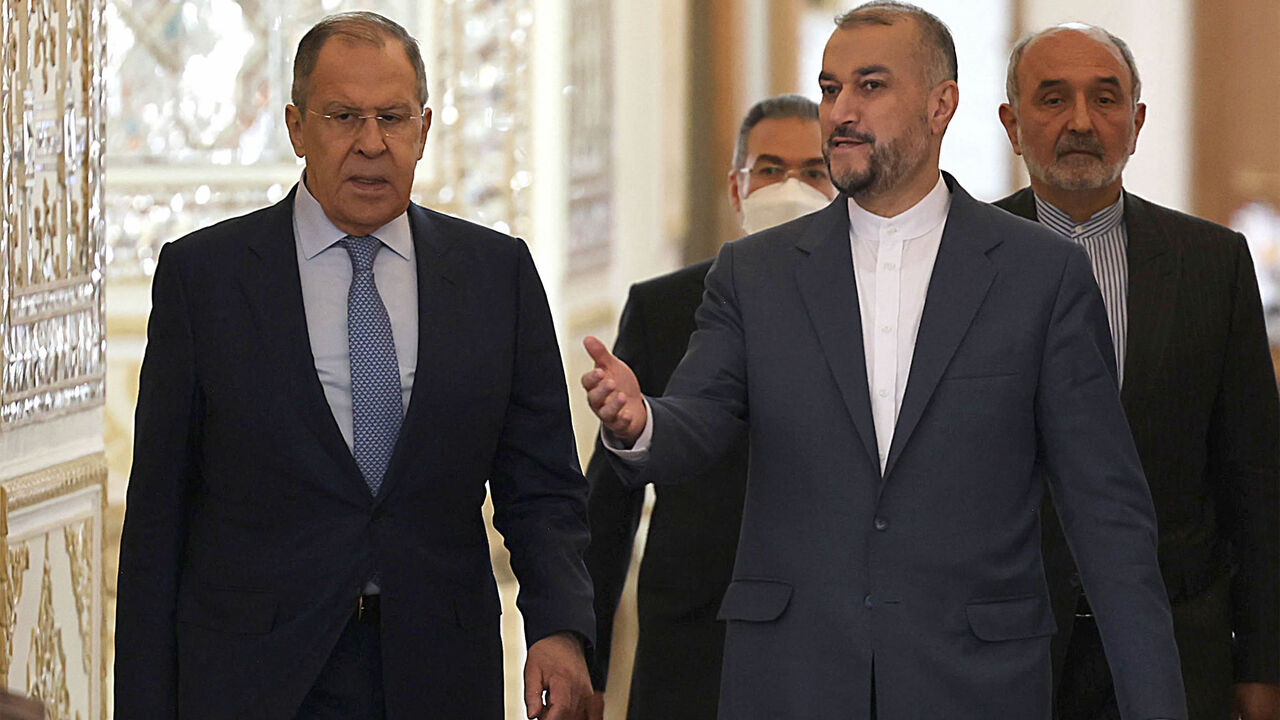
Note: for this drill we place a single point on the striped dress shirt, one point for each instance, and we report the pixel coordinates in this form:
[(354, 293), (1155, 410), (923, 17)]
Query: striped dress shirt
[(1105, 240)]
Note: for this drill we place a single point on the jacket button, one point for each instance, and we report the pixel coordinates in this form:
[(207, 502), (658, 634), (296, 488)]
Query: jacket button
[(882, 524), (866, 602)]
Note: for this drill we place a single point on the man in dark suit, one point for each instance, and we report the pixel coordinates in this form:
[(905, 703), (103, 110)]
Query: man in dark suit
[(778, 174), (1196, 381), (899, 361), (328, 385)]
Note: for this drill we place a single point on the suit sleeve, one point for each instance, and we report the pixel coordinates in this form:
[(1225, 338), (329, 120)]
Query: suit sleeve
[(1245, 465), (1103, 500), (539, 494), (162, 482), (704, 410), (614, 509)]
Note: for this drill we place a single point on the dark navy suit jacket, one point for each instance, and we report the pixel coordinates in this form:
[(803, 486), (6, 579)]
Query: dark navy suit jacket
[(250, 531), (927, 576)]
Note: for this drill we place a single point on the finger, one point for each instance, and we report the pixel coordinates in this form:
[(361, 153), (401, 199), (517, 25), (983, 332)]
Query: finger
[(599, 395), (559, 699), (598, 352), (533, 692), (615, 414), (592, 378)]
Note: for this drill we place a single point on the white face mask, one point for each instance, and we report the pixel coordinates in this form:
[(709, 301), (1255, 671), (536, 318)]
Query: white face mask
[(778, 203)]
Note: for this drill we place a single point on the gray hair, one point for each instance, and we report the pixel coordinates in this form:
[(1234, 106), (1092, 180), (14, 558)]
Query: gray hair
[(362, 27), (1015, 57), (779, 106), (934, 35)]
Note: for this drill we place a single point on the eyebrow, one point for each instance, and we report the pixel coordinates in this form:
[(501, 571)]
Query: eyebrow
[(343, 105), (864, 70), (872, 69), (778, 160), (1055, 82)]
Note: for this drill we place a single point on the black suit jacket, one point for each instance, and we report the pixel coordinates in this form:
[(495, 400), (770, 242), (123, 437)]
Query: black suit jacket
[(250, 531), (693, 529), (1200, 396)]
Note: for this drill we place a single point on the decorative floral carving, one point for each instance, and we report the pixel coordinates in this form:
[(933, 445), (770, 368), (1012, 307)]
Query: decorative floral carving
[(16, 561), (80, 545), (47, 663)]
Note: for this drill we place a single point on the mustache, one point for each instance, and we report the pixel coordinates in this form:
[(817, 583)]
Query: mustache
[(847, 131), (1080, 142)]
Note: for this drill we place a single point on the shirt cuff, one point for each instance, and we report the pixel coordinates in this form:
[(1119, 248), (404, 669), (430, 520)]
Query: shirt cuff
[(637, 453)]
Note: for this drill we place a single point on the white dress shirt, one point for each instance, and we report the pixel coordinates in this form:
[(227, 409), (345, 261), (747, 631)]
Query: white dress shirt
[(325, 270), (892, 261)]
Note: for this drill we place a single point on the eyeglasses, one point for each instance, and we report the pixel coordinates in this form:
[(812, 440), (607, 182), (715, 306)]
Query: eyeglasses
[(768, 173), (392, 125)]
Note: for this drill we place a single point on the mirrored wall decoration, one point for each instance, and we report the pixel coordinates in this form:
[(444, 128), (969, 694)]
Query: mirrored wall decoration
[(590, 135), (51, 132), (196, 93)]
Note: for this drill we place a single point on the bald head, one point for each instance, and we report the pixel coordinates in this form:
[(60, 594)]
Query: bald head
[(1099, 35)]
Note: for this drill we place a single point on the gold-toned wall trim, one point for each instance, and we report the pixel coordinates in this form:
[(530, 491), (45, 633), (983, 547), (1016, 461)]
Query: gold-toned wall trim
[(34, 488), (47, 664), (16, 561), (79, 539)]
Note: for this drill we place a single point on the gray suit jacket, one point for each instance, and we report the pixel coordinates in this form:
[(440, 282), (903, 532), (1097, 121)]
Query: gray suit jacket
[(927, 579)]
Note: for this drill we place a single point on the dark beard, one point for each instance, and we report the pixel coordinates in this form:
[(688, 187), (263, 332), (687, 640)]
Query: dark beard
[(887, 164)]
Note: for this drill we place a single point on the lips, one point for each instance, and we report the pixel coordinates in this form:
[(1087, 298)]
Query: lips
[(841, 143), (845, 138), (368, 183)]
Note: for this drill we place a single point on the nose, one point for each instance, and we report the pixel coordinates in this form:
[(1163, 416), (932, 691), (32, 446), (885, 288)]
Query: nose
[(1080, 121), (843, 109), (369, 139)]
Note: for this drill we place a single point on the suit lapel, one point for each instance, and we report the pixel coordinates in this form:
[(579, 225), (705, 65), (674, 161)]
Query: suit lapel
[(273, 286), (1153, 288), (439, 310), (828, 286), (962, 274)]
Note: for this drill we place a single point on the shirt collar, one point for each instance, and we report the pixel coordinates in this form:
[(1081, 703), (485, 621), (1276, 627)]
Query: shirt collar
[(1104, 221), (317, 233), (913, 222)]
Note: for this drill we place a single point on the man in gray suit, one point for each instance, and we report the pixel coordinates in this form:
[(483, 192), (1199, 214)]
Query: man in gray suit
[(900, 361)]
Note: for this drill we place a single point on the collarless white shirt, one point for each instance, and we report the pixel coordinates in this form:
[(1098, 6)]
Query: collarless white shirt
[(324, 267), (893, 261)]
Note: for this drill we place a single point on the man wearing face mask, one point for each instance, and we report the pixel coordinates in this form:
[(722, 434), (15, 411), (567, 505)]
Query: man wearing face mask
[(778, 175)]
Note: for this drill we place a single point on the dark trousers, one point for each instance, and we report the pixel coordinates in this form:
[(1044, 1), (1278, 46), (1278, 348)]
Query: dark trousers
[(1086, 691), (350, 685)]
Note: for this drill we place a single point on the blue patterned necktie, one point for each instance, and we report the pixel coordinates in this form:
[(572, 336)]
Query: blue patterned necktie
[(375, 375)]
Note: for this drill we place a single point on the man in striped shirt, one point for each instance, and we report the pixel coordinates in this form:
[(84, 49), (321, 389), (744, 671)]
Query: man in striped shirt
[(1196, 380)]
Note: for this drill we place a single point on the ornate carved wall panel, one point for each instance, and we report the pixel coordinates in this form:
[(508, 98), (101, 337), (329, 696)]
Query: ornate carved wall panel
[(51, 589), (51, 252), (52, 353)]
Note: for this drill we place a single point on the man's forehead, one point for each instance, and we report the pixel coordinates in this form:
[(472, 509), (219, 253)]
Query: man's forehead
[(1073, 51), (872, 47), (794, 139), (350, 71)]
